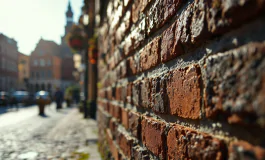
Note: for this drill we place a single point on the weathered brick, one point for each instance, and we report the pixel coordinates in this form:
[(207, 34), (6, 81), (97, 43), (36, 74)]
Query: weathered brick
[(224, 15), (109, 93), (136, 7), (125, 118), (245, 150), (171, 7), (136, 93), (170, 46), (155, 17), (198, 27), (159, 100), (132, 66), (150, 55), (129, 92), (184, 92), (126, 143), (113, 126), (104, 105), (235, 85), (139, 153), (145, 93), (185, 143), (135, 124), (127, 21), (153, 136), (138, 34), (121, 93), (117, 112), (128, 47), (113, 148)]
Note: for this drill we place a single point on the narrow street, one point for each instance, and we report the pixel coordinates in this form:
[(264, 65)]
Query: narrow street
[(60, 135)]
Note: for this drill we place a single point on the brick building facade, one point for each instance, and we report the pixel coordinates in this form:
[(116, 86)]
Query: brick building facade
[(181, 79), (23, 71), (8, 63), (45, 64)]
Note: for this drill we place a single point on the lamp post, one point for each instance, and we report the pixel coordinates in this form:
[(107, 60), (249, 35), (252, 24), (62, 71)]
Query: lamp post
[(85, 23)]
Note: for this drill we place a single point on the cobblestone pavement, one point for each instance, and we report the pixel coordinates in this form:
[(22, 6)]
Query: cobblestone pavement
[(60, 135)]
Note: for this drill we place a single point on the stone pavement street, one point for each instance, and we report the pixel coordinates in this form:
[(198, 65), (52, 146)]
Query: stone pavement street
[(60, 135)]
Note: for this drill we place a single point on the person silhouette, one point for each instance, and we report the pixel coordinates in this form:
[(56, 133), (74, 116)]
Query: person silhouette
[(58, 98)]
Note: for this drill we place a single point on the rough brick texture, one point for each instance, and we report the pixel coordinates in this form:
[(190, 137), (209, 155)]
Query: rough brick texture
[(181, 79)]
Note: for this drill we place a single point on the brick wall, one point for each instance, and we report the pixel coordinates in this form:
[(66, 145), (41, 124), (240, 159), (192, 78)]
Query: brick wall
[(182, 79)]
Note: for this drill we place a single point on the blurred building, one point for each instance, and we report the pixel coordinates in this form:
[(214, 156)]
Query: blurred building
[(66, 55), (45, 67), (23, 72), (8, 63)]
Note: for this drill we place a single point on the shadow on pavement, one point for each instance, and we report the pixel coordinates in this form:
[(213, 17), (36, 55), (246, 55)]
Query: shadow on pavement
[(44, 116)]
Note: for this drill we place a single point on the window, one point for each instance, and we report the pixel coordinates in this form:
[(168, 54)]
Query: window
[(49, 74), (36, 62), (49, 63), (42, 62), (32, 74), (41, 52)]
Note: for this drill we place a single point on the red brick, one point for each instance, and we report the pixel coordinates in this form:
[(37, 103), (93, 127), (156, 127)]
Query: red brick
[(245, 150), (242, 71), (153, 136), (185, 143), (111, 109), (145, 93), (136, 93), (184, 92), (132, 66), (138, 34), (117, 112), (128, 47), (104, 105), (113, 126), (123, 69), (125, 118), (121, 92), (170, 46), (135, 124), (224, 15), (159, 100), (113, 148), (171, 7), (136, 7), (125, 142), (150, 55), (144, 4), (127, 21), (109, 93), (139, 153), (198, 27), (155, 17), (129, 92)]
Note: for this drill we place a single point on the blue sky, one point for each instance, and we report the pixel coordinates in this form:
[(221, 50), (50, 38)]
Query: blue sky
[(28, 20)]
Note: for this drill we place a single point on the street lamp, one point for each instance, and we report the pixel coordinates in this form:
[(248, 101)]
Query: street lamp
[(85, 23)]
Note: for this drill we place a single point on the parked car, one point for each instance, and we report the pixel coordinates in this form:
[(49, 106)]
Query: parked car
[(19, 97), (4, 98)]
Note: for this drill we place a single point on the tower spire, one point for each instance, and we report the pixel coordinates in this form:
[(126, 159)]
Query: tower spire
[(69, 6)]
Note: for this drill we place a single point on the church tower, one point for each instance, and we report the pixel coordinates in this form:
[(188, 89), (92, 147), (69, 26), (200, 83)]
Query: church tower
[(67, 67), (69, 23), (69, 18)]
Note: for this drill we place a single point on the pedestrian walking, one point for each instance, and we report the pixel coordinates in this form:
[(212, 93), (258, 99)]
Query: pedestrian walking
[(58, 96)]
